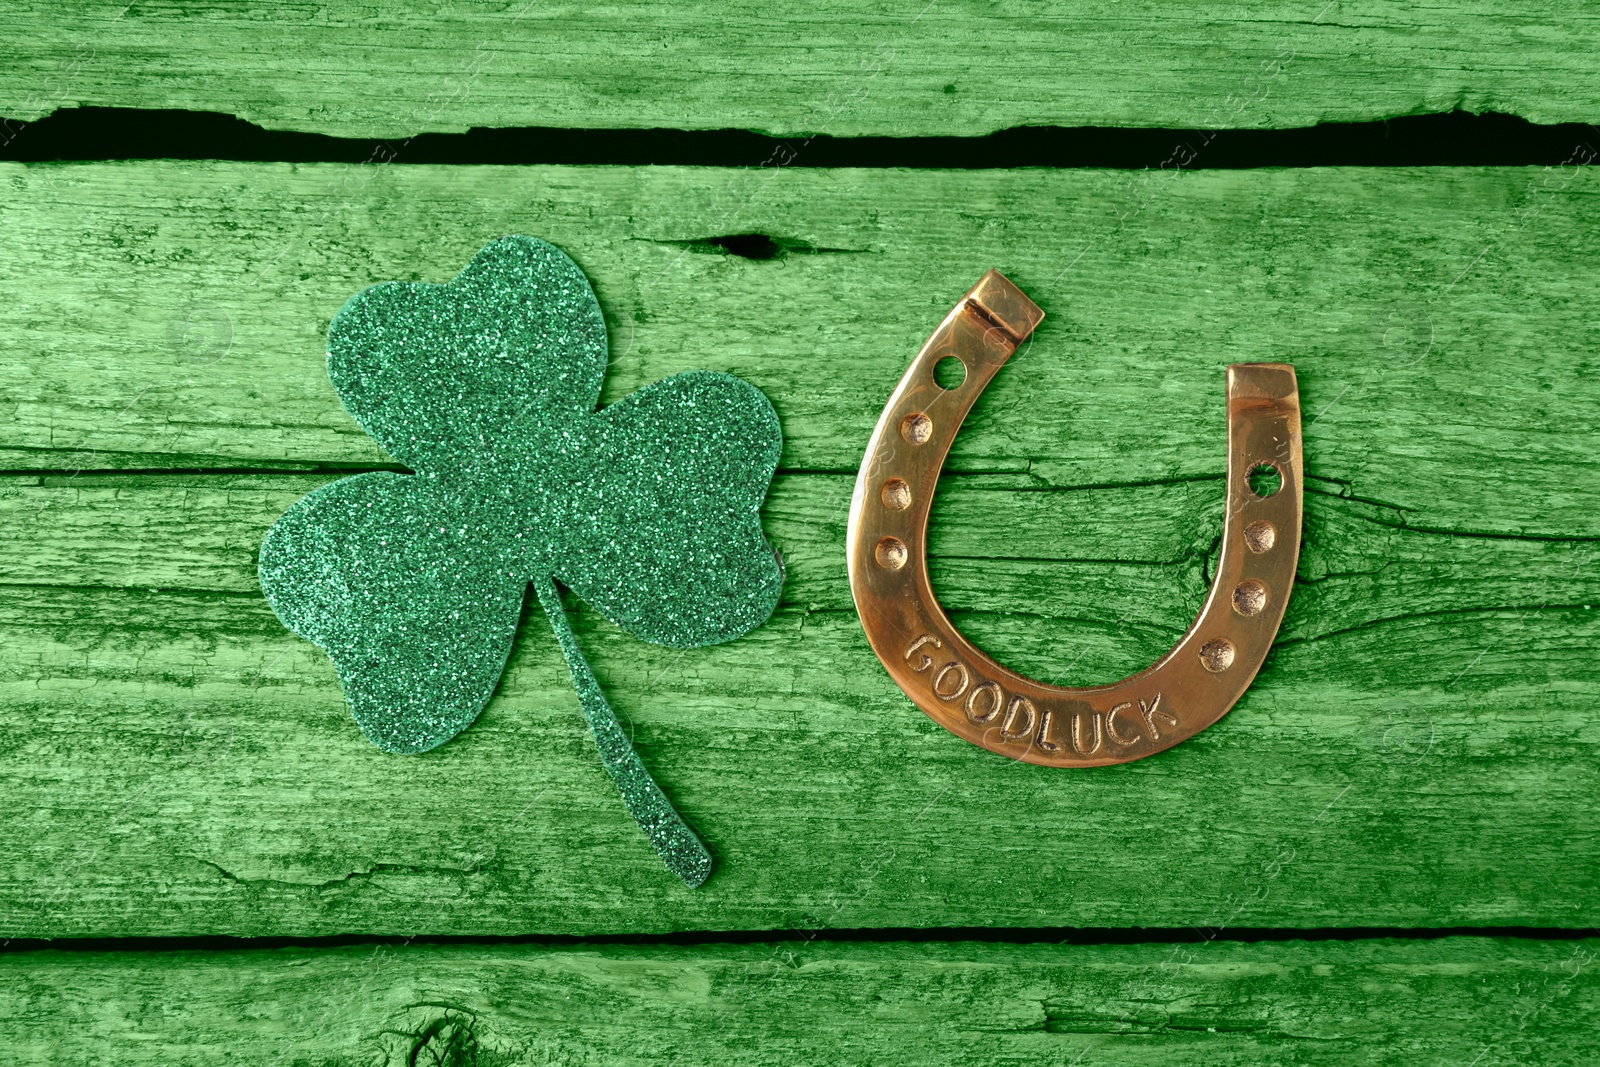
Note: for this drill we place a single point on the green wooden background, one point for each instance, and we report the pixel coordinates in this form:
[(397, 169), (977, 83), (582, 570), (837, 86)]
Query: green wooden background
[(1417, 758)]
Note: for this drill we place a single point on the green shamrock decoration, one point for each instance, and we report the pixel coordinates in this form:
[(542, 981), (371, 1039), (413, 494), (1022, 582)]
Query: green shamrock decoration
[(487, 387)]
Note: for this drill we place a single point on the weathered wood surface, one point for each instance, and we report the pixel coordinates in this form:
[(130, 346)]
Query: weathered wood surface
[(1450, 1002), (921, 67), (1418, 751), (173, 315)]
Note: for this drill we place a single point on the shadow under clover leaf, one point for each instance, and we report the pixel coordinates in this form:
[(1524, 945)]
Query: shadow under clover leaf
[(487, 387)]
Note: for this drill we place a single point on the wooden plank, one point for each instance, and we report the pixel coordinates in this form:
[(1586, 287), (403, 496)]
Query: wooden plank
[(180, 754), (173, 314), (1448, 1002), (1417, 752), (942, 67)]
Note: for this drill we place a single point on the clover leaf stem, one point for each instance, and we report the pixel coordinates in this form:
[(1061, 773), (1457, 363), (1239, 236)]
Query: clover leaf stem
[(678, 846)]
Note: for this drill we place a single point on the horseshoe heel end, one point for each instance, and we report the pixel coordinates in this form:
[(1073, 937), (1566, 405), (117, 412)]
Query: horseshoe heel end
[(963, 689), (1003, 304)]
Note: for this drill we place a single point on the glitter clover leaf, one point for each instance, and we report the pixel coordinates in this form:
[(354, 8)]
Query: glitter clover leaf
[(488, 388)]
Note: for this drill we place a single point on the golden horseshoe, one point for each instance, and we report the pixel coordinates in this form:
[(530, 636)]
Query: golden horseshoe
[(974, 697)]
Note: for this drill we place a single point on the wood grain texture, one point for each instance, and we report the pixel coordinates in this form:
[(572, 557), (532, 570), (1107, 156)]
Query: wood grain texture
[(890, 69), (1418, 750), (173, 315), (1448, 1002)]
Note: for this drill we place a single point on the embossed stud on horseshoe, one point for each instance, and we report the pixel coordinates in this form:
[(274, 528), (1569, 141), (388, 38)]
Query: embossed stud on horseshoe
[(966, 691)]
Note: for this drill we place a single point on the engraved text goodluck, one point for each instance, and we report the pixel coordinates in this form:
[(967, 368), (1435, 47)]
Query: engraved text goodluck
[(1015, 719)]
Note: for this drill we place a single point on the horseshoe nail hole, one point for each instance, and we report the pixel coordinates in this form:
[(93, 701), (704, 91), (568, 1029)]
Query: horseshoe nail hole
[(1249, 597), (949, 372), (1264, 480), (916, 428), (891, 553), (1260, 536), (896, 494), (1216, 655)]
